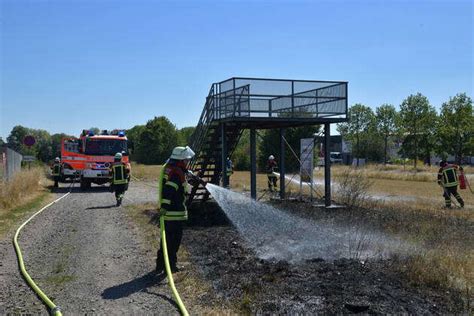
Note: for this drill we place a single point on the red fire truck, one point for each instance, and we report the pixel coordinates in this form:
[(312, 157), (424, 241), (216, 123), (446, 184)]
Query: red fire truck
[(89, 156)]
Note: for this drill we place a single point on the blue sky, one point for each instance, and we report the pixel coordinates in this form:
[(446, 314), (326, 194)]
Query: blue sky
[(69, 65)]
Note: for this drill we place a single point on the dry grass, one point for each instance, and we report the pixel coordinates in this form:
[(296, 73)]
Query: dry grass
[(392, 172), (353, 188), (25, 192), (145, 172), (20, 188)]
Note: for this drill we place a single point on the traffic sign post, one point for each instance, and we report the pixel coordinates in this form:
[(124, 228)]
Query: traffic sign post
[(29, 141)]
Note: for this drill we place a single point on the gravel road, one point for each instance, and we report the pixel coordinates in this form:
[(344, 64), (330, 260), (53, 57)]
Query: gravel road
[(87, 256)]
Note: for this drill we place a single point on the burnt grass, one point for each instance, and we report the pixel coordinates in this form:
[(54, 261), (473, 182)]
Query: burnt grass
[(251, 285)]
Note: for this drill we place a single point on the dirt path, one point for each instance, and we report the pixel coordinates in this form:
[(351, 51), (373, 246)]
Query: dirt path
[(87, 256)]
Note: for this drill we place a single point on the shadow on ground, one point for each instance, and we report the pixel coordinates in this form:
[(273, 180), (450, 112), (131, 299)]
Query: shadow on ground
[(140, 284)]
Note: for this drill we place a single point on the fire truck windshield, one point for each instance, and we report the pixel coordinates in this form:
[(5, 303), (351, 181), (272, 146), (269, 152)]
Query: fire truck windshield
[(105, 147)]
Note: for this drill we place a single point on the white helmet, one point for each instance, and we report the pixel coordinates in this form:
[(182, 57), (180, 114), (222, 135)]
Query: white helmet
[(57, 159), (118, 156), (182, 153), (271, 157)]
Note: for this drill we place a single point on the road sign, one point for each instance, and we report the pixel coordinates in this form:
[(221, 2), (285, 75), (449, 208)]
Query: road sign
[(29, 140), (29, 158), (306, 157)]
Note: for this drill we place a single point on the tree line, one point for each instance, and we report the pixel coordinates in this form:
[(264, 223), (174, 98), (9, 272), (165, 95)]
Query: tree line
[(418, 129), (149, 144)]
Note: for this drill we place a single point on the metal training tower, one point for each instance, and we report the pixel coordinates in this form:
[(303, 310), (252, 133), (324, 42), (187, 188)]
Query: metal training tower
[(240, 103)]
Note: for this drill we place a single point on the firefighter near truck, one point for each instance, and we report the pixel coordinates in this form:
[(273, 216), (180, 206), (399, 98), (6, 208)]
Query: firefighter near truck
[(89, 157)]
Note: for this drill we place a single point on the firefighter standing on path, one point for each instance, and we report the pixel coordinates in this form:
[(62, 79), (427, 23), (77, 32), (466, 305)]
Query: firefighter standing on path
[(448, 179), (120, 177), (172, 187), (56, 171), (271, 175)]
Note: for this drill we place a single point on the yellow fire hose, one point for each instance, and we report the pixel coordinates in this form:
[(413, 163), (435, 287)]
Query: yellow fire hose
[(55, 310), (177, 298)]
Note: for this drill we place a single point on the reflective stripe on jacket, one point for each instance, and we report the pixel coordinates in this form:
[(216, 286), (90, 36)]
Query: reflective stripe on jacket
[(56, 170), (118, 174), (171, 193), (271, 167), (449, 176)]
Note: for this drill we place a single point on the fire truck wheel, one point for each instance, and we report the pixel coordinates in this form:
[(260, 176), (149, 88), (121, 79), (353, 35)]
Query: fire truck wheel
[(85, 184)]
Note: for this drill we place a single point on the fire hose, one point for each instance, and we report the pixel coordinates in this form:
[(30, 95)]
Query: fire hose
[(177, 298), (54, 309)]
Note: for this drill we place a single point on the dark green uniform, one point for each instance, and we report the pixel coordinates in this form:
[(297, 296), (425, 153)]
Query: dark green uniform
[(448, 179), (272, 177), (171, 198), (119, 180), (56, 173)]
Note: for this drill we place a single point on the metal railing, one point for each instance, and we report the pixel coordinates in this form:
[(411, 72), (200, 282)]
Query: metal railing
[(280, 98)]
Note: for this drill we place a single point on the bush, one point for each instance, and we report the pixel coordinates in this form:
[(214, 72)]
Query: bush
[(353, 187)]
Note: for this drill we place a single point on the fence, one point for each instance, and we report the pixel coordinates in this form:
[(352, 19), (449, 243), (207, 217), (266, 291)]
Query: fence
[(10, 162), (279, 98)]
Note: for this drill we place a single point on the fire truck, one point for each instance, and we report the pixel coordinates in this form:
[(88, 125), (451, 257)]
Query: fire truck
[(90, 156)]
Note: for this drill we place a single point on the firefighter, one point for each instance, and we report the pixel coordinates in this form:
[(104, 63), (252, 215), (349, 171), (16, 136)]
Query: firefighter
[(56, 171), (120, 176), (448, 179), (271, 175), (172, 187), (229, 168)]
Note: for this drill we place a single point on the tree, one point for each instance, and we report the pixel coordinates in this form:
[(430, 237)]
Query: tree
[(184, 135), (133, 136), (156, 141), (1, 142), (386, 120), (15, 139), (241, 155), (42, 148), (417, 118), (359, 130), (270, 145), (94, 130), (455, 131)]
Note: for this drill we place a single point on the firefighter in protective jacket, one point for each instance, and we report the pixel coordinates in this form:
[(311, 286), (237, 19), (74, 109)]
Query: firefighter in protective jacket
[(271, 175), (448, 179), (120, 177), (56, 171), (172, 187)]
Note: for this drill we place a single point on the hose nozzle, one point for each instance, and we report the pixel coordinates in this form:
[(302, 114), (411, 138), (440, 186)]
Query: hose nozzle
[(195, 180)]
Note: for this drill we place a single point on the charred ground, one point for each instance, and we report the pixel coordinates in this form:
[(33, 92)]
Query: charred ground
[(342, 286)]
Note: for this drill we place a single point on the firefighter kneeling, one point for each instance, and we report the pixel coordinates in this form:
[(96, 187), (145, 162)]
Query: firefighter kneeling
[(448, 179), (120, 177), (172, 187)]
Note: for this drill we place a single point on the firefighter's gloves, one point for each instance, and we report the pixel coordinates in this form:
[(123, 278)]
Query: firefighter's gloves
[(194, 180)]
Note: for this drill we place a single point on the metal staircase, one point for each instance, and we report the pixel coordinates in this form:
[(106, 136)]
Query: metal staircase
[(207, 142), (240, 103)]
